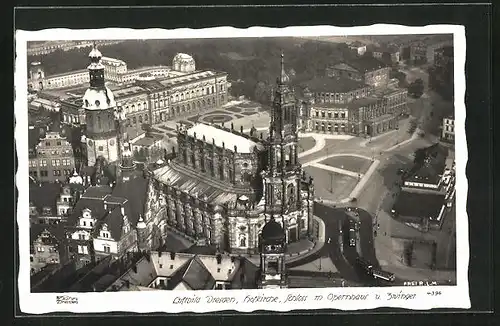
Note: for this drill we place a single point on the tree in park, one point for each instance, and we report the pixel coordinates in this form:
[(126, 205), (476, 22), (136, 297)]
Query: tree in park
[(416, 89)]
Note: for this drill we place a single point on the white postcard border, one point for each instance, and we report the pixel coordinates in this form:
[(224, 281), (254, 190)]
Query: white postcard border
[(416, 298)]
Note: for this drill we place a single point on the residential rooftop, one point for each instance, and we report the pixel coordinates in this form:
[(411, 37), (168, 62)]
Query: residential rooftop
[(419, 205)]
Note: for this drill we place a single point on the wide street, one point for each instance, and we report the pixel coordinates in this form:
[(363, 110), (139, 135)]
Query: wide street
[(342, 255)]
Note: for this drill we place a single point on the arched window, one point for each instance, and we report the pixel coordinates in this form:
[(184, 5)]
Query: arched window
[(212, 89), (198, 104), (291, 193), (140, 119), (208, 90), (189, 107), (243, 241), (128, 122), (133, 107), (204, 103), (139, 107), (146, 118), (134, 119), (183, 108)]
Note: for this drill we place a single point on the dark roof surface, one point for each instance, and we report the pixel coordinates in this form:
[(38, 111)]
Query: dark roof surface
[(33, 137), (272, 231), (201, 250), (419, 205), (197, 276), (44, 195), (334, 84)]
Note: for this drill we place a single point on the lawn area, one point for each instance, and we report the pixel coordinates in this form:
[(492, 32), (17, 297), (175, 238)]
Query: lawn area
[(247, 113), (342, 185), (306, 144), (249, 105), (350, 163), (216, 118), (234, 109)]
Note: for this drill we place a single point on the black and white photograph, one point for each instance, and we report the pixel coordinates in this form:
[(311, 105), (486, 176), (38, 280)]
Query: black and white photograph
[(244, 169)]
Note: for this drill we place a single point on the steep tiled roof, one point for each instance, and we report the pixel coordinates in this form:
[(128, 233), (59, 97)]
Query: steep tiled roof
[(92, 199), (44, 195), (134, 190), (187, 183), (197, 277), (334, 84)]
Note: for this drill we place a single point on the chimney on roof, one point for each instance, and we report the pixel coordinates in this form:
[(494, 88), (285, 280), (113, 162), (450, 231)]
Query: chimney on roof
[(261, 136), (172, 255), (213, 141), (194, 134), (204, 138), (223, 145), (219, 259), (232, 126), (235, 149), (241, 129), (222, 124)]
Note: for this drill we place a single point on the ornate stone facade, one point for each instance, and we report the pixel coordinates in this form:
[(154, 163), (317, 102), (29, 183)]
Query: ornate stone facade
[(223, 185)]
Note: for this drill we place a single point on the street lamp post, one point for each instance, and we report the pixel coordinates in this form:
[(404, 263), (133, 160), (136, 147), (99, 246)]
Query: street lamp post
[(331, 182)]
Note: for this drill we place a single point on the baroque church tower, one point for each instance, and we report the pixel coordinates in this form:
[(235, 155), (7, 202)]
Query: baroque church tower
[(282, 178), (100, 115)]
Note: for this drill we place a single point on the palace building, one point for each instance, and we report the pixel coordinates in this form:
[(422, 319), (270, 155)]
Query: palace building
[(223, 185), (152, 96)]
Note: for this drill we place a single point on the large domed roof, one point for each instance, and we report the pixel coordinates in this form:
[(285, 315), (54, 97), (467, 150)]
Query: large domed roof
[(272, 231), (183, 57), (98, 99)]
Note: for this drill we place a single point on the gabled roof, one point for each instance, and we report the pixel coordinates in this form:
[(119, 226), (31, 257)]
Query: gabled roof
[(197, 277), (94, 203)]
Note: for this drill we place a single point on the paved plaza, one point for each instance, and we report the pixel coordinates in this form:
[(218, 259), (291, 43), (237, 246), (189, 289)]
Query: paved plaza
[(351, 163), (331, 185)]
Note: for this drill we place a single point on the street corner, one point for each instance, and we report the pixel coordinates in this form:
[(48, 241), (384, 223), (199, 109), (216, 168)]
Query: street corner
[(302, 249)]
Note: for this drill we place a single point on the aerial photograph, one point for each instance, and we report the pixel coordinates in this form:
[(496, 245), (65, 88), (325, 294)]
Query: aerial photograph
[(241, 163)]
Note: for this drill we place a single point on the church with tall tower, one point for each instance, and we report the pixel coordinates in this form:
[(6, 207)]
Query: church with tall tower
[(225, 185)]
